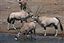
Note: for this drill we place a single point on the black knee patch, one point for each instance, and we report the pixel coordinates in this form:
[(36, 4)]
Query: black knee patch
[(55, 26), (21, 21), (42, 25), (44, 28)]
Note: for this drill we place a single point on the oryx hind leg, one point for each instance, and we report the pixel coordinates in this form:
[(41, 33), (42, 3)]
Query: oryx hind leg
[(44, 31), (56, 30)]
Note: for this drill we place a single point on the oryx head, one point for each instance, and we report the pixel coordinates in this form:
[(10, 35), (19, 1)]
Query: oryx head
[(31, 14), (35, 18)]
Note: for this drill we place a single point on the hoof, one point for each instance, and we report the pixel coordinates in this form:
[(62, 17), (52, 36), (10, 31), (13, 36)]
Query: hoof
[(28, 35), (15, 38), (44, 34), (14, 28), (55, 35)]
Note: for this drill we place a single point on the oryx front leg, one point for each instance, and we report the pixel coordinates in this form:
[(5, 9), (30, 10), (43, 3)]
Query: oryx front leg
[(44, 31), (14, 27), (17, 36)]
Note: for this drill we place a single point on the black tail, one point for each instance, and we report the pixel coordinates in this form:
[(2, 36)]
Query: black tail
[(60, 24), (8, 20)]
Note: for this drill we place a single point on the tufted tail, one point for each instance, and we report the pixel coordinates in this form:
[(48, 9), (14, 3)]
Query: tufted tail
[(61, 27)]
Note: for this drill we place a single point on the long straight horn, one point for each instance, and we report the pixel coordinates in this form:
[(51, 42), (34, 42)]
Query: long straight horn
[(29, 8), (37, 10)]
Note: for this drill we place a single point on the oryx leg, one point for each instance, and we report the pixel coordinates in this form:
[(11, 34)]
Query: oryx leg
[(34, 31), (44, 31), (17, 36), (13, 24), (21, 21), (56, 30), (31, 32), (25, 34), (8, 26)]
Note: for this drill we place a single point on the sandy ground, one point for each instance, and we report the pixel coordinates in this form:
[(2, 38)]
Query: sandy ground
[(54, 8)]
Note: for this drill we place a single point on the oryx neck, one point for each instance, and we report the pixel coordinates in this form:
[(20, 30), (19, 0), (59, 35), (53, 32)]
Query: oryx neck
[(38, 21)]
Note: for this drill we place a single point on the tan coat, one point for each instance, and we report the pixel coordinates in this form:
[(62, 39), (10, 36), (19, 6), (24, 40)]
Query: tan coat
[(27, 26)]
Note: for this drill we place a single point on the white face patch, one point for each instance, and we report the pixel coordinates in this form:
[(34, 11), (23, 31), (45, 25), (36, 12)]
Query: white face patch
[(34, 21), (32, 17), (31, 13)]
